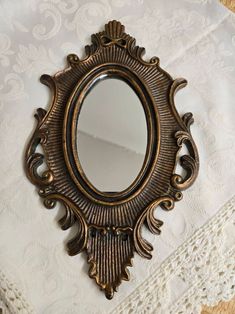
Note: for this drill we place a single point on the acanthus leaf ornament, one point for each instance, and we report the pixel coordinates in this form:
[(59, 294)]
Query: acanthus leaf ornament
[(110, 224)]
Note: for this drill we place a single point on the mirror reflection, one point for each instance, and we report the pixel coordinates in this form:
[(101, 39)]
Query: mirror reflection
[(111, 135)]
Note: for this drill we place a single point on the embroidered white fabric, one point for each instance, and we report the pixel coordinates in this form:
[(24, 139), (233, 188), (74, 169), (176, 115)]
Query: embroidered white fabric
[(193, 258)]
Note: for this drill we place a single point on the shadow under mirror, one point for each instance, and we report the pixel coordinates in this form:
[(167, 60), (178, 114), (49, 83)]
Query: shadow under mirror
[(111, 135)]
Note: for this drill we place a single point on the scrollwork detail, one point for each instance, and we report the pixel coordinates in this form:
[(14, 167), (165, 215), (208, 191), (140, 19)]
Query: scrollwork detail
[(113, 35), (72, 214), (33, 159), (189, 162), (142, 246)]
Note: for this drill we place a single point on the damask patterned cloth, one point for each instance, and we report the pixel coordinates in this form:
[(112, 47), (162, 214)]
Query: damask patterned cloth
[(193, 259)]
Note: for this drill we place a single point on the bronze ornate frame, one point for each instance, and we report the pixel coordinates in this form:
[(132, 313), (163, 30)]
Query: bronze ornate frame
[(110, 223)]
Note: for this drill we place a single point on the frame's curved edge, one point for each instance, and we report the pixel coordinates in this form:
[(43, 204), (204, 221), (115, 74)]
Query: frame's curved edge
[(189, 162), (177, 84), (32, 159), (51, 83), (72, 214), (142, 246)]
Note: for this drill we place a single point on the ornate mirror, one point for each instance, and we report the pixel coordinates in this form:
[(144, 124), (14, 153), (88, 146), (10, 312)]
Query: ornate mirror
[(112, 141)]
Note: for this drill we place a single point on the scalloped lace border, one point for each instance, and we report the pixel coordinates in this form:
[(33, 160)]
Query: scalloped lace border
[(11, 299), (201, 271)]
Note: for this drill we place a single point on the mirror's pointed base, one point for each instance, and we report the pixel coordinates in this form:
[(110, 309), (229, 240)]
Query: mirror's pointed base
[(109, 255)]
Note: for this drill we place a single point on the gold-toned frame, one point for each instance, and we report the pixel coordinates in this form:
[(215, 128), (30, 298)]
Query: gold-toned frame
[(110, 223)]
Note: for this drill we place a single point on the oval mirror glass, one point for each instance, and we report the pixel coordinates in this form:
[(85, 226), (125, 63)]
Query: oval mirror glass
[(111, 135)]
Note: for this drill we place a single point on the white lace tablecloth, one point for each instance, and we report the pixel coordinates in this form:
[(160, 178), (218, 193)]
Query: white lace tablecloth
[(194, 259)]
